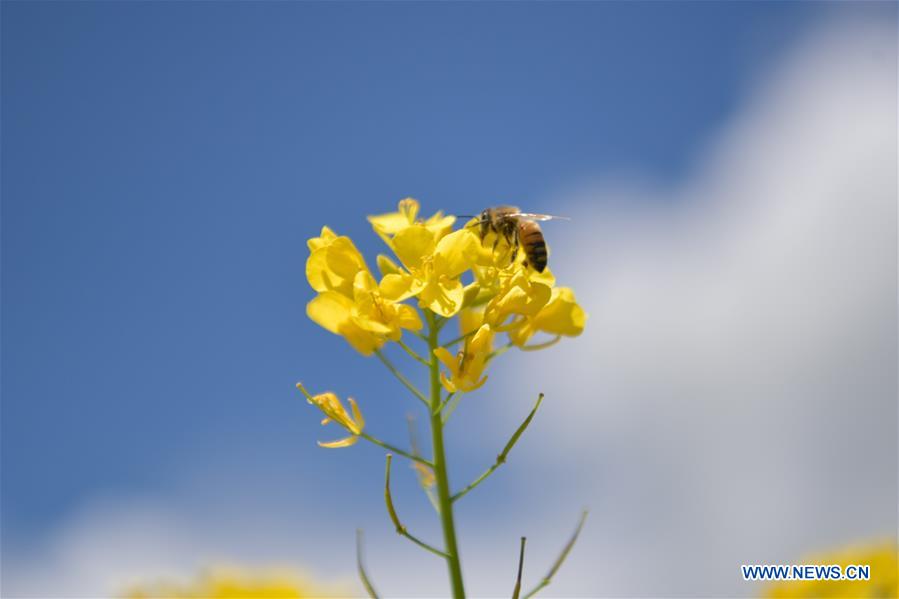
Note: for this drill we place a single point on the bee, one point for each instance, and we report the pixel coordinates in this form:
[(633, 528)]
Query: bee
[(519, 229)]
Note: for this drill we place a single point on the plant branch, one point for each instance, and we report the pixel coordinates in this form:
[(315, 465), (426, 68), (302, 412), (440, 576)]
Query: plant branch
[(517, 590), (543, 345), (399, 375), (412, 353), (369, 588), (448, 344), (500, 351), (400, 528), (558, 563), (396, 450), (450, 406), (445, 401), (501, 458)]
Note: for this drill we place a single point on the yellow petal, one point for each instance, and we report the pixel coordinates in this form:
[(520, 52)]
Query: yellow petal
[(447, 383), (327, 236), (387, 266), (562, 315), (357, 416), (448, 359), (470, 320), (458, 252), (363, 341), (398, 287), (413, 244), (444, 297), (339, 443), (334, 265), (481, 343), (330, 310), (394, 222), (407, 318)]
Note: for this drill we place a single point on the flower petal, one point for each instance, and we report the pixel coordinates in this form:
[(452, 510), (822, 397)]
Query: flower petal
[(413, 244), (458, 252), (351, 440), (330, 310)]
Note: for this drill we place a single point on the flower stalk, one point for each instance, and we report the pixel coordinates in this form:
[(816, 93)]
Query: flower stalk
[(444, 497)]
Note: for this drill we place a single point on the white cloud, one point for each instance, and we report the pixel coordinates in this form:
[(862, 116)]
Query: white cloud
[(733, 399)]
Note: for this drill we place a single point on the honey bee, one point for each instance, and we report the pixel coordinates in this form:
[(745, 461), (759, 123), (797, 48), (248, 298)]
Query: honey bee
[(518, 229)]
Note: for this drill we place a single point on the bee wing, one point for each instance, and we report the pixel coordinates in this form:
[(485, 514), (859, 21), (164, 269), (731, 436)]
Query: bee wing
[(530, 216)]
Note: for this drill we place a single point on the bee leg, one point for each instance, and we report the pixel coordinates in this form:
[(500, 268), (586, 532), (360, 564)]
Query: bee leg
[(514, 242)]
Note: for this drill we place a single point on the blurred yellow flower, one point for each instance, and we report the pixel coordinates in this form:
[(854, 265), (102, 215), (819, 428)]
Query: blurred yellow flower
[(236, 584), (883, 559), (467, 367), (560, 316), (334, 411), (425, 475)]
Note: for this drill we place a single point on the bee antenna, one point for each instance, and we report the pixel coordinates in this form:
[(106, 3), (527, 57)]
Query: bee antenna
[(466, 215)]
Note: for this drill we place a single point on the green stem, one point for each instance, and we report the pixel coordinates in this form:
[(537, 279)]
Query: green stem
[(400, 527), (412, 353), (558, 563), (402, 378), (501, 458), (394, 449), (443, 488)]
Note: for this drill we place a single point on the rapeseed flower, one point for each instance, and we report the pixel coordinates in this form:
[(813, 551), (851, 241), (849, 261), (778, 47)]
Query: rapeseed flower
[(561, 316), (334, 411), (466, 369), (388, 225), (232, 583), (882, 557)]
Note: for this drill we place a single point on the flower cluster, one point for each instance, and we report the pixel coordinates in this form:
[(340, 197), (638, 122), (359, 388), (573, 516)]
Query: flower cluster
[(449, 272)]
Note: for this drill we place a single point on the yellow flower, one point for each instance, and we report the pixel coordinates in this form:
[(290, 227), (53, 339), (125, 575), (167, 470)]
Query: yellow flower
[(883, 559), (431, 268), (520, 296), (334, 411), (560, 316), (366, 319), (231, 583), (333, 263), (388, 225), (467, 367), (426, 477)]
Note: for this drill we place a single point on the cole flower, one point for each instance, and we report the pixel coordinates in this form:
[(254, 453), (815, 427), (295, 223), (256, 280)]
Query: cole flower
[(388, 225), (361, 314), (430, 268), (562, 316), (334, 411), (519, 297), (333, 263), (466, 369)]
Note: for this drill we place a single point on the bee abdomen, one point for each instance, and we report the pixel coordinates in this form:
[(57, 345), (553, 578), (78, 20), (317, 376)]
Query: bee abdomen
[(536, 252)]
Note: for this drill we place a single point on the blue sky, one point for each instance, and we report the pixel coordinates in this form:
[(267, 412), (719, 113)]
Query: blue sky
[(163, 165)]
